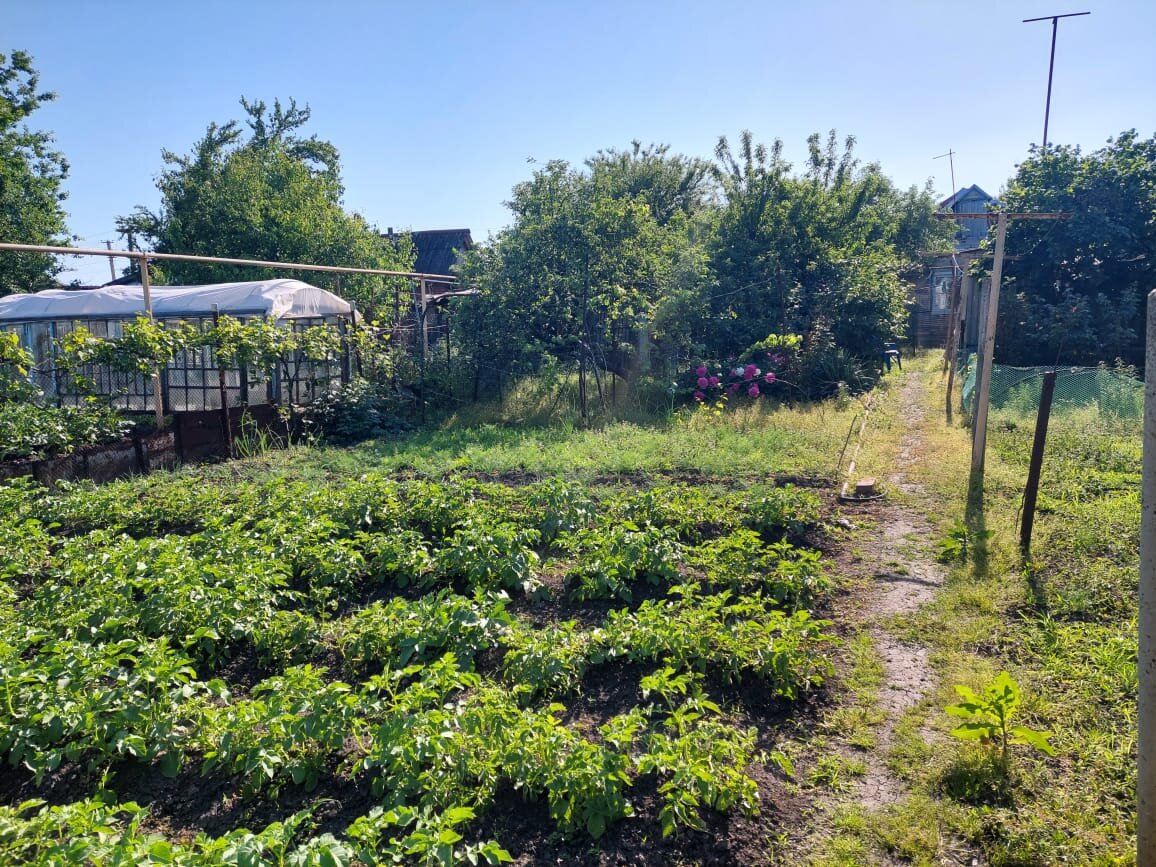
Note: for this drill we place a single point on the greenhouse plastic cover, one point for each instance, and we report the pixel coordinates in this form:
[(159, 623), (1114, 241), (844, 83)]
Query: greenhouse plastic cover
[(275, 299)]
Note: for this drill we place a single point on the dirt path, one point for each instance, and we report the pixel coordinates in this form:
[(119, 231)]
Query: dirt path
[(904, 576)]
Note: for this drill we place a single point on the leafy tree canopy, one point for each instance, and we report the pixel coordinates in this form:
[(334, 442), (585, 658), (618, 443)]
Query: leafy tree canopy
[(589, 256), (707, 259), (816, 253), (31, 178), (1073, 290), (272, 195)]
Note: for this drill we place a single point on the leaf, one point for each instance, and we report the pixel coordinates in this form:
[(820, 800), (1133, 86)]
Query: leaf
[(1032, 737), (974, 731), (968, 696), (457, 815)]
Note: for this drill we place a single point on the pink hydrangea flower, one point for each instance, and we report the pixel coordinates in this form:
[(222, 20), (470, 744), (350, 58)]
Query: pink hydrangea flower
[(712, 381), (701, 371), (698, 395), (753, 391), (734, 388), (703, 382), (750, 372), (770, 377)]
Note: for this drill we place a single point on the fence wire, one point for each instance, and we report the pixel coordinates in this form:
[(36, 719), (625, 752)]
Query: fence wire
[(1106, 394)]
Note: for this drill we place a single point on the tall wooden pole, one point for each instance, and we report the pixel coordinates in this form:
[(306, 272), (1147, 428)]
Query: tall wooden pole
[(1146, 660), (158, 394), (226, 423), (424, 327), (983, 384)]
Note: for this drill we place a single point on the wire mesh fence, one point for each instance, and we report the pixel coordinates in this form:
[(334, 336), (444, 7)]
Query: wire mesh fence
[(1108, 395)]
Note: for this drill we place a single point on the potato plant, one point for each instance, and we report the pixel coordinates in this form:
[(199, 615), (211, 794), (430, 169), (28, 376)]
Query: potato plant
[(393, 634)]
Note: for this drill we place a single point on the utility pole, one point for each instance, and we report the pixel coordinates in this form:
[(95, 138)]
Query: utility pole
[(1055, 19), (111, 267)]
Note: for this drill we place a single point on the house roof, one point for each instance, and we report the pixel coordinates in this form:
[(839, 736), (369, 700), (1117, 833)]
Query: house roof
[(438, 249), (276, 299), (972, 192)]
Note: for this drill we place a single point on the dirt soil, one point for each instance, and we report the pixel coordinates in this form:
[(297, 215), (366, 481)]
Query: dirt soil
[(896, 564), (905, 577)]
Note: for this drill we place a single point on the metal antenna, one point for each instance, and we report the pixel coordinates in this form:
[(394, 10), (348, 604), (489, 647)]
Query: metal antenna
[(1055, 19), (951, 162)]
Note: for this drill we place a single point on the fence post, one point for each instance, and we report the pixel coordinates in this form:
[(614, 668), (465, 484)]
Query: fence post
[(1146, 660), (226, 424), (1032, 488), (158, 389)]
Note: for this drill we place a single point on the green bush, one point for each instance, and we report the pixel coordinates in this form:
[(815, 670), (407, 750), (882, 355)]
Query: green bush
[(357, 411), (29, 431)]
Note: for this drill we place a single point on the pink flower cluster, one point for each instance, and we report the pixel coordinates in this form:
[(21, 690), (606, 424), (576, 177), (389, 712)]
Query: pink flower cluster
[(748, 377)]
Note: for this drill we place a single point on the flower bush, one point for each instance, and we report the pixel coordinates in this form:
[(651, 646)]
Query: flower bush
[(757, 371)]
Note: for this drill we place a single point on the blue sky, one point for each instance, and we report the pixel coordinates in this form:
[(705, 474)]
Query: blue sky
[(436, 107)]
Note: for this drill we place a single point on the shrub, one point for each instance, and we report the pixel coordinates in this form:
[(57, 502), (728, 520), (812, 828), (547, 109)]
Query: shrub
[(357, 411), (28, 431)]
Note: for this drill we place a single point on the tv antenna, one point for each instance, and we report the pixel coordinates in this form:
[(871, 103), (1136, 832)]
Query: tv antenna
[(1055, 19), (951, 162)]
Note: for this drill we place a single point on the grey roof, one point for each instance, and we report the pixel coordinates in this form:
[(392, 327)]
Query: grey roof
[(438, 249)]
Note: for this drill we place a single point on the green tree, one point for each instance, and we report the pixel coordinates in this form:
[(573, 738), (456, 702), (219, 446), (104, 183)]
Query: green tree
[(273, 195), (1073, 290), (31, 178), (818, 254), (588, 258)]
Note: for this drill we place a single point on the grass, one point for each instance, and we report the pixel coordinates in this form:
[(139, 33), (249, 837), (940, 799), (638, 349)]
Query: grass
[(750, 440)]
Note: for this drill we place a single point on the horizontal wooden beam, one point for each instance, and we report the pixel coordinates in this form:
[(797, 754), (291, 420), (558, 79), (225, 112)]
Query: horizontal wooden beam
[(1011, 215)]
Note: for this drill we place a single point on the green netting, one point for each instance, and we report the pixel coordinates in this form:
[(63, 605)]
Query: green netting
[(1113, 392)]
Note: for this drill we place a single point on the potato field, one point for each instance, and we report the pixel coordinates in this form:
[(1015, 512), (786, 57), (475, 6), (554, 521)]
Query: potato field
[(388, 668)]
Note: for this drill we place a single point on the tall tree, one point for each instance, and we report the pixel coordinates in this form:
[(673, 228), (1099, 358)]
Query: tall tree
[(817, 253), (1073, 290), (31, 178), (581, 268), (273, 195)]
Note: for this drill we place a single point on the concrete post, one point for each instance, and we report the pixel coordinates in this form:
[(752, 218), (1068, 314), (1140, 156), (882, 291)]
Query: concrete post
[(1146, 660)]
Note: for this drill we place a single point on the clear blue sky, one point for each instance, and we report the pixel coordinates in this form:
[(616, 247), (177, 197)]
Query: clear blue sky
[(436, 106)]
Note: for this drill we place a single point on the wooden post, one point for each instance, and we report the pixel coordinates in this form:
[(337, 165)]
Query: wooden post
[(949, 353), (226, 424), (421, 312), (158, 395), (1031, 489), (983, 382), (1146, 660)]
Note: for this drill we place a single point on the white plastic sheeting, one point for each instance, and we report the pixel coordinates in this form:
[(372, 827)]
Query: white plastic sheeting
[(274, 299)]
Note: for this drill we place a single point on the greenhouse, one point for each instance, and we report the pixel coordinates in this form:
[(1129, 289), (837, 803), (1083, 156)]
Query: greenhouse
[(191, 381)]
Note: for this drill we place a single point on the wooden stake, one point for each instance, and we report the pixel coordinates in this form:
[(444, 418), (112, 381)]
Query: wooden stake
[(226, 424), (1032, 488)]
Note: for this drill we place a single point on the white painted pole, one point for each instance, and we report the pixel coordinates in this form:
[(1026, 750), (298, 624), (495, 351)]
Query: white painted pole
[(983, 384), (1146, 660)]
